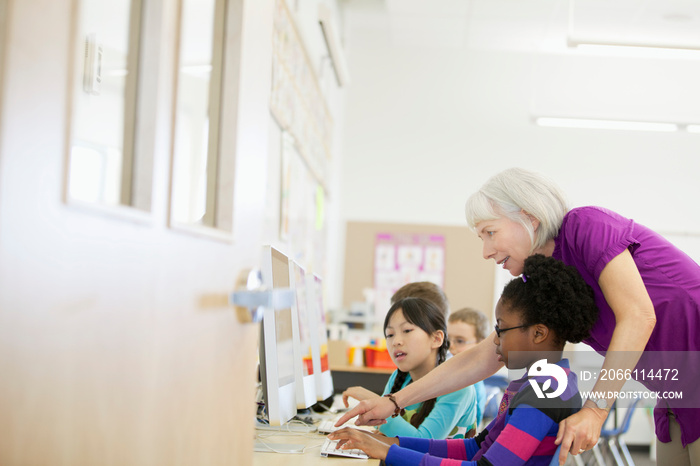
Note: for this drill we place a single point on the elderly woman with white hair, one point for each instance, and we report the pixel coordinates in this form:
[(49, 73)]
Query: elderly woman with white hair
[(647, 290)]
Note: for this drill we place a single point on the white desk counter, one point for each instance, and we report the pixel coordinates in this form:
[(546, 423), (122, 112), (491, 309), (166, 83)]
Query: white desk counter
[(310, 457)]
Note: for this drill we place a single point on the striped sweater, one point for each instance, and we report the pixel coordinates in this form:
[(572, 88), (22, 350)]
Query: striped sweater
[(523, 433)]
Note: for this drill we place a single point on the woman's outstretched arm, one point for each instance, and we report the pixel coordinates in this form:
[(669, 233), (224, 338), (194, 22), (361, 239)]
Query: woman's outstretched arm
[(462, 370)]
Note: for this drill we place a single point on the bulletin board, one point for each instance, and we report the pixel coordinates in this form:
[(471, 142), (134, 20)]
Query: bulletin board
[(296, 101), (301, 111), (454, 254)]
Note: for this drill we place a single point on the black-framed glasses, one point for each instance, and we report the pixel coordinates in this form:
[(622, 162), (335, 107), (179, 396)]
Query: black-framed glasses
[(500, 331)]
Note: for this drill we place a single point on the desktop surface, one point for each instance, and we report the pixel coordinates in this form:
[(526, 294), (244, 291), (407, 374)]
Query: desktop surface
[(311, 443), (311, 455)]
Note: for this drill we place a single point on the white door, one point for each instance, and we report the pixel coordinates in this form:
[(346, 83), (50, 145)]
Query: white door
[(117, 346)]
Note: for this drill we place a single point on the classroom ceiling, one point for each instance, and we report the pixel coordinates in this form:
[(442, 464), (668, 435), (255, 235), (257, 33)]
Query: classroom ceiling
[(538, 24)]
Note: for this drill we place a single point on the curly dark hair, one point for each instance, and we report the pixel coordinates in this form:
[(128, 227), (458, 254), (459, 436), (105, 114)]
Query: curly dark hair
[(553, 294), (429, 317)]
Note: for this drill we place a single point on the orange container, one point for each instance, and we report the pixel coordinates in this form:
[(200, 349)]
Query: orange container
[(375, 357)]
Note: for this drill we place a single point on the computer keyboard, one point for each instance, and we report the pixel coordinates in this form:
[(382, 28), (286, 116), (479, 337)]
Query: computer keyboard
[(326, 427), (328, 449)]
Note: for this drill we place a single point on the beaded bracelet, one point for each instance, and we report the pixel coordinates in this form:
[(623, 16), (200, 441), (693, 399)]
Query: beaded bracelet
[(398, 411)]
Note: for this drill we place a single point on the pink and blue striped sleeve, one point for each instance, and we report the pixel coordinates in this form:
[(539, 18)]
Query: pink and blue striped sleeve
[(428, 452), (529, 435)]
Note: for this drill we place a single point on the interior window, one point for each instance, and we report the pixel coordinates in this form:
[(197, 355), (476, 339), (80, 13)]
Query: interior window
[(104, 167), (196, 151)]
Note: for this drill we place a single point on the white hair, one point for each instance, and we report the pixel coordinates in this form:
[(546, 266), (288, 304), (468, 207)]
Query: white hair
[(517, 194)]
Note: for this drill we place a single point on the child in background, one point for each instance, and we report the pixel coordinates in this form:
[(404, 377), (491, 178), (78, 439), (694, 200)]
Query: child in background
[(466, 328), (415, 331), (425, 290), (533, 323)]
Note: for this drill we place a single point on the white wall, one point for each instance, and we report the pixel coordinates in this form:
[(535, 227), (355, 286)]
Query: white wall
[(425, 126)]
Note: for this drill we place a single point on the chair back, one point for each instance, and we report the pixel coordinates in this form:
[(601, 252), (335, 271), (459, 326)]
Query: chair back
[(628, 416), (493, 401), (496, 380), (555, 458), (494, 387), (624, 425)]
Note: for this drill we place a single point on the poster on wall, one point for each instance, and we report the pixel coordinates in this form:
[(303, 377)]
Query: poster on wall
[(401, 258)]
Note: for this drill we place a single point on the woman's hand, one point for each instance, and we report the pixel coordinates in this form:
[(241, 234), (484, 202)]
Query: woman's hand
[(370, 412), (376, 446), (579, 432), (359, 393)]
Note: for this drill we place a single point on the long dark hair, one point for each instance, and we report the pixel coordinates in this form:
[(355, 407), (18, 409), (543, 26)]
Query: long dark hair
[(430, 318)]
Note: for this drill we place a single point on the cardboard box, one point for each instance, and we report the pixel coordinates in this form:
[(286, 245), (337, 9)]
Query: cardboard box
[(338, 352)]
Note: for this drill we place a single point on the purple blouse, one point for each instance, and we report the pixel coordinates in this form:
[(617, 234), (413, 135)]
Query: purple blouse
[(589, 238)]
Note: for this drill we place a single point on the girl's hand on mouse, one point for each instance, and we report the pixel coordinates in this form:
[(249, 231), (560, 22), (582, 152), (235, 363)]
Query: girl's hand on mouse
[(370, 412), (359, 393)]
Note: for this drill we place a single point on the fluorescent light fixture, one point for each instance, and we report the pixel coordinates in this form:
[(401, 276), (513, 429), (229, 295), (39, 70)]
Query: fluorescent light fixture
[(606, 124), (693, 128), (642, 51), (335, 50)]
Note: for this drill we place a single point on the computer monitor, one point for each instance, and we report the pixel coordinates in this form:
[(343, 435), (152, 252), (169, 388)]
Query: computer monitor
[(277, 345), (301, 333), (319, 338)]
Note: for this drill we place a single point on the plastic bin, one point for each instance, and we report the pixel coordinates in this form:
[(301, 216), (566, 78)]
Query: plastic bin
[(375, 357)]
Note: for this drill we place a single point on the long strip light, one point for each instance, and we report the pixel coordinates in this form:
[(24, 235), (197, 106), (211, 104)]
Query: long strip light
[(606, 124), (634, 50)]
